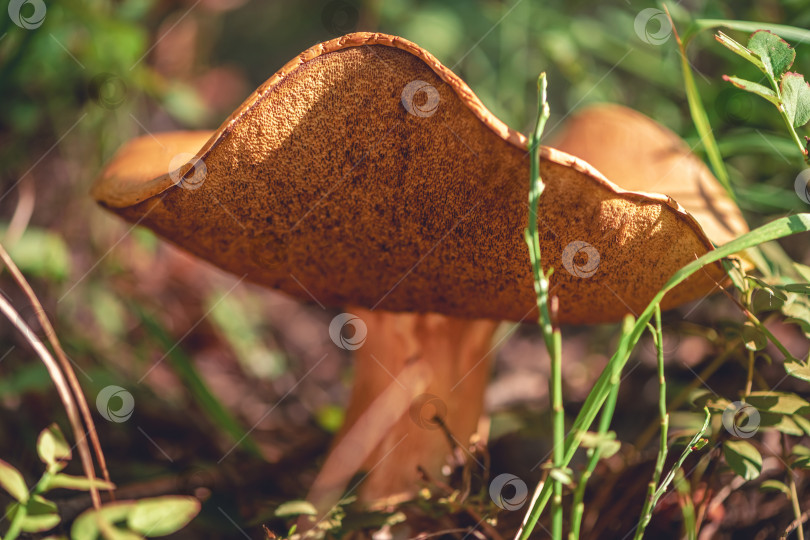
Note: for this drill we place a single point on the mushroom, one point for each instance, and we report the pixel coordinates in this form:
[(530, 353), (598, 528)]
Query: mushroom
[(368, 176), (604, 135)]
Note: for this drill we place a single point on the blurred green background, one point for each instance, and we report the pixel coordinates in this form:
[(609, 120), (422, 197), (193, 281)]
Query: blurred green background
[(95, 73)]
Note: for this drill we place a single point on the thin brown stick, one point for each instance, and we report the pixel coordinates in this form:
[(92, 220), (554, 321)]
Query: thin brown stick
[(795, 525), (22, 213), (62, 389), (78, 394), (448, 490), (425, 536)]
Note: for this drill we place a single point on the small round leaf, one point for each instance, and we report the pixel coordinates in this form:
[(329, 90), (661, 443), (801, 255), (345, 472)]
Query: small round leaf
[(775, 52), (52, 447), (774, 485), (743, 458), (296, 508), (12, 481), (160, 516), (753, 337)]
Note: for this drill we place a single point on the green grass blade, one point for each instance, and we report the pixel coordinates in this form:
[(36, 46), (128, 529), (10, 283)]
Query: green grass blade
[(701, 120), (578, 506), (774, 230), (782, 30), (208, 402), (551, 335)]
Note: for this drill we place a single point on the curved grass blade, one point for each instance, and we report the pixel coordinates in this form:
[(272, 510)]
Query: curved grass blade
[(774, 230)]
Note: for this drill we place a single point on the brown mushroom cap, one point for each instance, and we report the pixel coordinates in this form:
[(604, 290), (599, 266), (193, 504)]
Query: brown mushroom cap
[(660, 161), (323, 183)]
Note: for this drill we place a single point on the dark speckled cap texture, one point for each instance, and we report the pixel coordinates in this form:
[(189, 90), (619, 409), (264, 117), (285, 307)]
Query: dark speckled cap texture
[(368, 173)]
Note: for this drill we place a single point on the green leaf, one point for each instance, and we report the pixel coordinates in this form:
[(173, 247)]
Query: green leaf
[(802, 459), (797, 369), (803, 324), (796, 98), (780, 422), (296, 508), (12, 481), (802, 270), (41, 515), (743, 458), (754, 88), (184, 103), (735, 272), (87, 525), (745, 143), (700, 444), (797, 306), (53, 449), (765, 300), (774, 485), (330, 417), (41, 253), (762, 284), (803, 422), (800, 450), (606, 443), (753, 337), (739, 49), (109, 532), (705, 399), (797, 312), (778, 402), (609, 448), (108, 311), (633, 330), (564, 475), (776, 54), (80, 483), (801, 462), (800, 288), (160, 516), (239, 320), (789, 32)]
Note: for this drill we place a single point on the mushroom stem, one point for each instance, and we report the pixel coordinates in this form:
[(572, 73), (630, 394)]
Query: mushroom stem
[(411, 369)]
